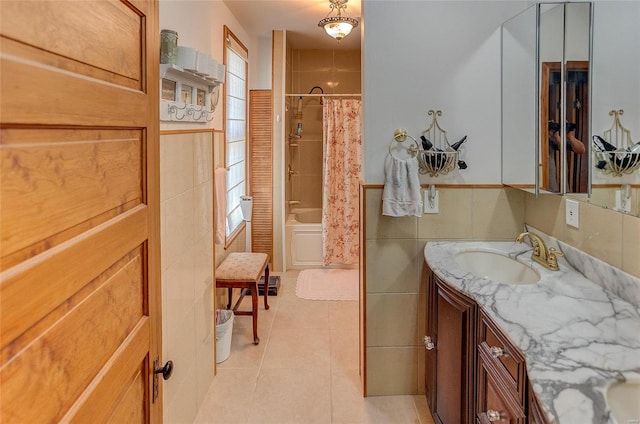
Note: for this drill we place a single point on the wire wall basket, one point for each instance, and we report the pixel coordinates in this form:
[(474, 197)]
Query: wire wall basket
[(437, 156), (615, 153)]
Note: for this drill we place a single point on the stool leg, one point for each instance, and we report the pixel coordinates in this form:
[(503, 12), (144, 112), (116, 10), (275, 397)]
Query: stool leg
[(266, 287), (254, 310), (230, 292)]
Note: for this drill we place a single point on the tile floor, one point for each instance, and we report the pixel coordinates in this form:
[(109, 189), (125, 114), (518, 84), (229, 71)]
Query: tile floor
[(305, 369)]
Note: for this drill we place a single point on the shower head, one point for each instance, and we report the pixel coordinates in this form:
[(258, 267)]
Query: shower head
[(319, 88)]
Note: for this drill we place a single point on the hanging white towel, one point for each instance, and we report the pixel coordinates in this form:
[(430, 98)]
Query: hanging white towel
[(220, 192), (401, 195)]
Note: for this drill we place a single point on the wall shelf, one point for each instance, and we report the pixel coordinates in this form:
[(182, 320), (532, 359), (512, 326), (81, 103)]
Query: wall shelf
[(187, 96)]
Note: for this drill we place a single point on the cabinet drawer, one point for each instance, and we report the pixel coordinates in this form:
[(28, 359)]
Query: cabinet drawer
[(503, 353), (496, 402)]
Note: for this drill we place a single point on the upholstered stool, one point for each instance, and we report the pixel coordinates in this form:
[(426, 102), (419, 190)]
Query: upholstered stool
[(242, 271)]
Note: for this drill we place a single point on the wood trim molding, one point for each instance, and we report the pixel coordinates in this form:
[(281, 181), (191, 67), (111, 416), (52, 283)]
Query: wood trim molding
[(362, 336), (232, 237), (190, 131), (608, 185), (379, 186)]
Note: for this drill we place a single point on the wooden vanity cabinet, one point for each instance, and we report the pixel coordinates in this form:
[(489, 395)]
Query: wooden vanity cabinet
[(473, 373), (450, 365)]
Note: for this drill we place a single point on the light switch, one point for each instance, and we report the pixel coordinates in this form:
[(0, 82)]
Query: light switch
[(573, 213)]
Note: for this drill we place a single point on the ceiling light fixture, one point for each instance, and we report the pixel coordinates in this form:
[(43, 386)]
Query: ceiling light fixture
[(338, 26)]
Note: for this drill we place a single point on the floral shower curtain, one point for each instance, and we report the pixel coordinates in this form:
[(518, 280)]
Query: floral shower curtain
[(342, 174)]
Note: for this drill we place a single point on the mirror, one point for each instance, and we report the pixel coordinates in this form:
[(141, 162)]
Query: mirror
[(615, 86), (545, 98), (564, 47), (519, 100)]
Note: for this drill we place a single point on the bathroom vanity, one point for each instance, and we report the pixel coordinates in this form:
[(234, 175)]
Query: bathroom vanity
[(510, 341)]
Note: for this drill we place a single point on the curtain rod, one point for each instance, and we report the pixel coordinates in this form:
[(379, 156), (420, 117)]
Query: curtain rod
[(324, 95)]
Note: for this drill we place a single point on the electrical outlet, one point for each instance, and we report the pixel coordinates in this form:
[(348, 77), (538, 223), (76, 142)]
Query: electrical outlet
[(573, 213), (429, 206)]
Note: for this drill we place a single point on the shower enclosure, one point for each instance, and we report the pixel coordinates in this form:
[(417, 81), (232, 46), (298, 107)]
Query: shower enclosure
[(316, 75), (308, 152), (303, 192)]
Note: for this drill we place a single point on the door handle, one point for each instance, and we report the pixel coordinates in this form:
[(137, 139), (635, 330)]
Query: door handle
[(166, 371)]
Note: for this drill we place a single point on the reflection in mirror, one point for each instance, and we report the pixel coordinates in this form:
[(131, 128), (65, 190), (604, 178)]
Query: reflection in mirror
[(519, 100), (576, 124), (616, 86), (564, 115)]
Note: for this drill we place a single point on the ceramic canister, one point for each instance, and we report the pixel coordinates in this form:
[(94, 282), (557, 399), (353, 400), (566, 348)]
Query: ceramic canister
[(168, 46)]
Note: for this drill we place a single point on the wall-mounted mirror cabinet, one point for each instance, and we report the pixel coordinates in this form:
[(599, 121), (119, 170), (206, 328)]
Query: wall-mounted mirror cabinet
[(598, 43), (565, 67), (545, 70)]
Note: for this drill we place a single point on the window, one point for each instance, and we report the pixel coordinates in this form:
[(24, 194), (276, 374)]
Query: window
[(235, 127)]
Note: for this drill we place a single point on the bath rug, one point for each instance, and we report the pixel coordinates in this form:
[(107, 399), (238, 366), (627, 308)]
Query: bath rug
[(328, 284)]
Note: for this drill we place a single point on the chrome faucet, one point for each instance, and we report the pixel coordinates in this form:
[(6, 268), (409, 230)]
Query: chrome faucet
[(547, 257)]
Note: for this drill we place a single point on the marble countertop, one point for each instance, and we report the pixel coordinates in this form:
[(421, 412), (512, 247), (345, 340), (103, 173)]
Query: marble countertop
[(577, 337)]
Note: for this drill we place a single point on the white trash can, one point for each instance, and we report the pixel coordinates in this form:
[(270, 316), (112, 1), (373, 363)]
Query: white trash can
[(224, 330)]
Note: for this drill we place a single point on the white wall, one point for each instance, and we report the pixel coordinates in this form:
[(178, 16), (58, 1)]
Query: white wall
[(440, 55), (260, 58)]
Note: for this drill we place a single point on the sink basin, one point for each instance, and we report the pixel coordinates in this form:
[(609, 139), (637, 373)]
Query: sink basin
[(623, 400), (496, 267)]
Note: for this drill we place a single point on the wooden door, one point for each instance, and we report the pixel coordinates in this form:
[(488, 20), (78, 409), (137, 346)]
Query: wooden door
[(79, 276)]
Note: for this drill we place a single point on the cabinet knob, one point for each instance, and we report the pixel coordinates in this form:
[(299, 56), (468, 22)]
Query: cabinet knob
[(428, 343), (496, 351), (493, 415)]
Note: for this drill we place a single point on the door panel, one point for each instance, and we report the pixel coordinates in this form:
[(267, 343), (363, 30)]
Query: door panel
[(110, 51), (42, 95), (63, 182), (79, 275), (37, 287), (128, 410)]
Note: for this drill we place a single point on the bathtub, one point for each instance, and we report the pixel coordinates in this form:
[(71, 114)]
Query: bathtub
[(304, 238)]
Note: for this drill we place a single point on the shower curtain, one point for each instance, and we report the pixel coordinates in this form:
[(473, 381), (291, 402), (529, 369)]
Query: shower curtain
[(342, 174)]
